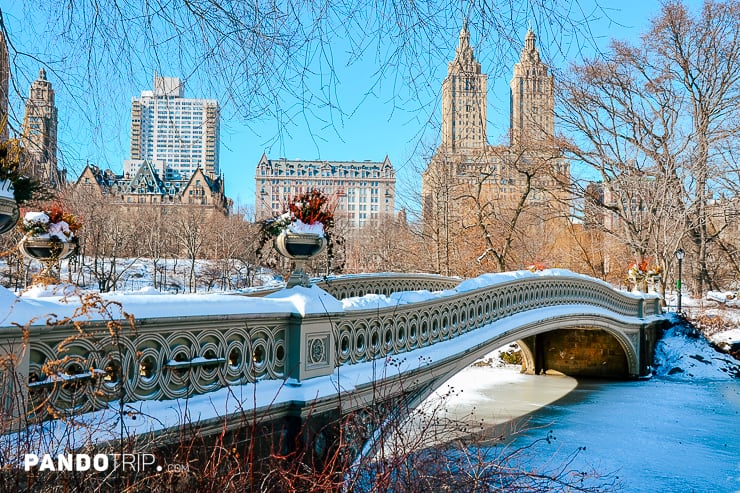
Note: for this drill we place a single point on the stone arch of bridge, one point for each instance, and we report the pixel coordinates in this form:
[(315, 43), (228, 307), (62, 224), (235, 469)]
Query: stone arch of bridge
[(578, 352), (627, 336), (428, 379)]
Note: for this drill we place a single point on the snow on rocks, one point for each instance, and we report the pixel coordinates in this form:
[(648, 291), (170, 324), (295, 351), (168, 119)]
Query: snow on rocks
[(726, 339), (683, 352), (728, 298)]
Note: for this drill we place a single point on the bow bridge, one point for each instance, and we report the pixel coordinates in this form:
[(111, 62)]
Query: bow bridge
[(309, 350)]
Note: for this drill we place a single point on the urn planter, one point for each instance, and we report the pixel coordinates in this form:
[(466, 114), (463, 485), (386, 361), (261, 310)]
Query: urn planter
[(653, 284), (46, 250), (299, 247), (9, 212), (639, 284)]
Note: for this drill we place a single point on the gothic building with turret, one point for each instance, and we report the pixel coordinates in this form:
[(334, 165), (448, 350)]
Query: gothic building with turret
[(40, 133), (470, 183)]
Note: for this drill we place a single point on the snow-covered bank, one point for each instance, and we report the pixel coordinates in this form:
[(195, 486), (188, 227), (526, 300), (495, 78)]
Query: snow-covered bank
[(675, 432), (685, 352)]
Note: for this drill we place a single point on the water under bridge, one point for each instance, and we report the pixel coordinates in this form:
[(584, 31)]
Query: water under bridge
[(208, 359)]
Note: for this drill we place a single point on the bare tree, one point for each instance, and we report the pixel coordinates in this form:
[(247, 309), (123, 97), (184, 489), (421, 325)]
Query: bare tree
[(191, 230), (656, 120), (498, 209), (388, 245), (108, 239), (155, 237), (232, 245), (275, 62), (511, 212)]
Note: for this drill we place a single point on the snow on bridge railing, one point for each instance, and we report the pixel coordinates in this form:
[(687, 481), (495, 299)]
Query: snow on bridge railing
[(384, 283), (193, 344), (393, 325), (350, 286)]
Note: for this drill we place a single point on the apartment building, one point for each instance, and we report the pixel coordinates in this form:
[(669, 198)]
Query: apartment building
[(174, 134), (364, 190)]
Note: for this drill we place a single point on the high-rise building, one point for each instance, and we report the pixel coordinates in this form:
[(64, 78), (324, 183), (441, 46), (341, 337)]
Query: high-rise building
[(364, 190), (40, 133), (4, 79), (464, 100), (174, 134), (532, 96), (470, 185)]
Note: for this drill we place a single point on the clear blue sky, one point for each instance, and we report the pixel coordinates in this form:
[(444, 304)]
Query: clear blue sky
[(378, 121)]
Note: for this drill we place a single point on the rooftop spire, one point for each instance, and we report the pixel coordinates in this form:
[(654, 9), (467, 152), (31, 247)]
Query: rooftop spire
[(530, 52), (529, 40), (464, 44), (464, 59)]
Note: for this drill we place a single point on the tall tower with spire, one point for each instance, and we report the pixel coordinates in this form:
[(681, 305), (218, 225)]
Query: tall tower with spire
[(532, 97), (513, 193), (464, 100), (40, 132)]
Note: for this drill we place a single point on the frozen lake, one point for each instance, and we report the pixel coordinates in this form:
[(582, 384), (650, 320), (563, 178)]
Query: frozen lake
[(662, 434)]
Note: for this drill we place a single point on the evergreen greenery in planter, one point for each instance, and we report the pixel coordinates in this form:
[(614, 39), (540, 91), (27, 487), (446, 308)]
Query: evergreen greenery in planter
[(16, 188), (307, 214)]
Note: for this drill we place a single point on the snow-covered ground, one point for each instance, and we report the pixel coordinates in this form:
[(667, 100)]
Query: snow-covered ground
[(134, 274), (675, 432)]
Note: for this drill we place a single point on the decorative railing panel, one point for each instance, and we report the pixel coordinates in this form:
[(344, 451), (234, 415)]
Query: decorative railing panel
[(368, 334), (75, 372), (72, 371)]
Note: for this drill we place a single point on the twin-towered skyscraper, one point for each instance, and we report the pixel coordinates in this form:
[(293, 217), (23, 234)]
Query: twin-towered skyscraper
[(465, 100), (471, 187)]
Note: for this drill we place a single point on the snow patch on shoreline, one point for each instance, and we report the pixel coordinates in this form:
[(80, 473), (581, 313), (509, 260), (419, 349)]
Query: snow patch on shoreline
[(683, 352)]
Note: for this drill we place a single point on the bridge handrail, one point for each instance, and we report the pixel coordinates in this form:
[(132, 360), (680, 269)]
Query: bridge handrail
[(171, 357), (385, 283), (362, 335), (349, 286)]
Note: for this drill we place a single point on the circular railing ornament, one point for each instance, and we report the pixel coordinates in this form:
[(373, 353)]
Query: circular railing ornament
[(299, 247)]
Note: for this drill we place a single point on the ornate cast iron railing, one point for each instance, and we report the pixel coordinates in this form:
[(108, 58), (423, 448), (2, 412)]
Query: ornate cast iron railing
[(69, 371)]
